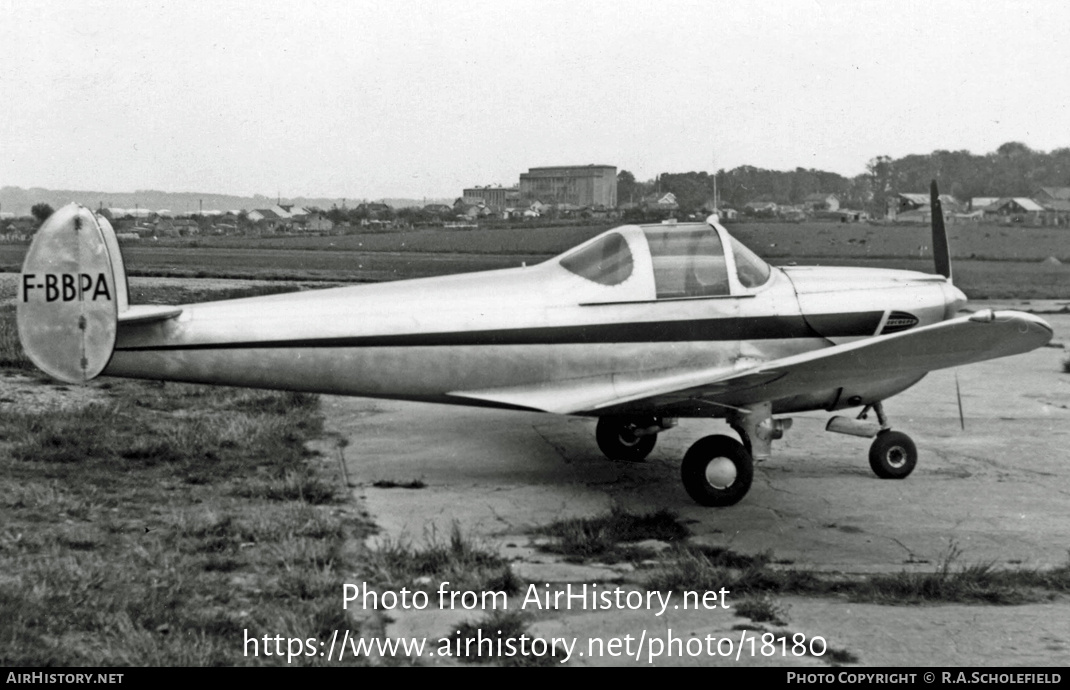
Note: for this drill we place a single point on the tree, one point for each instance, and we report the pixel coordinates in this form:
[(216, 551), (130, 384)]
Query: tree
[(626, 187), (883, 182), (41, 212)]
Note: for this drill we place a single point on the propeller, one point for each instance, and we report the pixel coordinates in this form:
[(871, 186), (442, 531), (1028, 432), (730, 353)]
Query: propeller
[(941, 252)]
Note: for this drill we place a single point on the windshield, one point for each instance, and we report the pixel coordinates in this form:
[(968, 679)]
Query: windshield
[(607, 261), (751, 270)]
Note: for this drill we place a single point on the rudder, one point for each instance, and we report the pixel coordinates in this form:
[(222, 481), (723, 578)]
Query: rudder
[(71, 291)]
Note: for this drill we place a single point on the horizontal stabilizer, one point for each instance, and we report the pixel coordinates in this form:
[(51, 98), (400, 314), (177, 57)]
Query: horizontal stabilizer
[(147, 313)]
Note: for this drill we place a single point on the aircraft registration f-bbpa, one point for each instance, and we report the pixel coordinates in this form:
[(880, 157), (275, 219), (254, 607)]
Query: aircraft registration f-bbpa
[(639, 326)]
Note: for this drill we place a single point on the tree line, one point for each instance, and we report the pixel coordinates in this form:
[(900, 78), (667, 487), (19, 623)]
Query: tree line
[(1013, 169)]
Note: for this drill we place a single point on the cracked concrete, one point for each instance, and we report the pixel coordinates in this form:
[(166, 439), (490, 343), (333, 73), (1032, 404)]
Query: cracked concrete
[(998, 491)]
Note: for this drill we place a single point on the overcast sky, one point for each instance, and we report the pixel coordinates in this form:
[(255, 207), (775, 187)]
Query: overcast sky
[(369, 99)]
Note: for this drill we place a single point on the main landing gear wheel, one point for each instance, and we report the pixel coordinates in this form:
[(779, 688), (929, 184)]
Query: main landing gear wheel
[(893, 455), (717, 471), (617, 438)]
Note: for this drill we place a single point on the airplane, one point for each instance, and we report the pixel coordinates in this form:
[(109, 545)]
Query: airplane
[(639, 326)]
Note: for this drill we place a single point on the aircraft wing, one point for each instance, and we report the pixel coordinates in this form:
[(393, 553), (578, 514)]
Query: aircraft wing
[(964, 340)]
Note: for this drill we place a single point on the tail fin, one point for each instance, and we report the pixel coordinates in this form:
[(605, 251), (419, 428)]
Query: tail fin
[(941, 251), (71, 291)]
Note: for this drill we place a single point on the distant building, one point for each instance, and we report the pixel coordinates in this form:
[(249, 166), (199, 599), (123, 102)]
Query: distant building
[(585, 185), (317, 222), (910, 201), (662, 201), (438, 209), (822, 201), (497, 198), (1045, 194), (265, 219), (1015, 209), (979, 203)]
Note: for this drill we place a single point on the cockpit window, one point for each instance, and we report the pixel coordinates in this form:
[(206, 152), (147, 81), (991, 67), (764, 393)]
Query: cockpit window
[(750, 268), (687, 263), (608, 261)]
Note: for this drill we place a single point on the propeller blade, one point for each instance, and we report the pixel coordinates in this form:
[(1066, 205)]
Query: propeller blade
[(941, 252)]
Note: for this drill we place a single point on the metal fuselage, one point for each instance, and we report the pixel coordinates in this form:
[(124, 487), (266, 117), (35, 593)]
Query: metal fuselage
[(429, 339)]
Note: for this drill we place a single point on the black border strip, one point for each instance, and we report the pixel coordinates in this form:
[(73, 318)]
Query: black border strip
[(700, 330)]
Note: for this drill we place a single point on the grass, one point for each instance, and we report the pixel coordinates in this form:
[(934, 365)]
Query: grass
[(12, 355), (610, 538), (165, 522), (466, 565), (694, 568), (158, 527), (762, 608)]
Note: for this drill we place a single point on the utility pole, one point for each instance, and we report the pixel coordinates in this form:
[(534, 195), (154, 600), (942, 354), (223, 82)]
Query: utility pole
[(716, 205)]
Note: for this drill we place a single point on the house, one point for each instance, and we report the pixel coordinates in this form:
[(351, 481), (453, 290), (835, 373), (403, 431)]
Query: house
[(1056, 212), (1014, 209), (317, 222), (266, 219), (290, 212), (1045, 194), (661, 201), (821, 201), (910, 201), (979, 203), (761, 207)]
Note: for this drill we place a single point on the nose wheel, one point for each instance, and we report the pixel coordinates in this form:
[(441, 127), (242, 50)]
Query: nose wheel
[(892, 455)]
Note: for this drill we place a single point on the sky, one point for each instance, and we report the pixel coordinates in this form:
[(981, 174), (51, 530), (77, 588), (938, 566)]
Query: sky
[(411, 98)]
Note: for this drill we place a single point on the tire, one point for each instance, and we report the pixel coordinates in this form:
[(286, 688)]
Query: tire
[(893, 455), (717, 471), (744, 438), (617, 441)]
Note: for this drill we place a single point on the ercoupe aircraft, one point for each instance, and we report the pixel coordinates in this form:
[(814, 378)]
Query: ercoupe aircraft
[(638, 327)]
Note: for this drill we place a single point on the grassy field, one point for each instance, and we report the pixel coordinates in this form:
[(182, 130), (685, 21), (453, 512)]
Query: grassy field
[(149, 523), (159, 522), (771, 240)]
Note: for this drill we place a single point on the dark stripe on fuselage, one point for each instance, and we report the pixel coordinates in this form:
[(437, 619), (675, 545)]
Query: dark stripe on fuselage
[(736, 328)]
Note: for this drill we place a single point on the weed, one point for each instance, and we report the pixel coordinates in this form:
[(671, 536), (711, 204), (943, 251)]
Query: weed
[(460, 562), (605, 537), (762, 608), (390, 484)]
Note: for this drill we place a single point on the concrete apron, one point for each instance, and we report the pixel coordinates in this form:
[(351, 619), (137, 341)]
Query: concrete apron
[(997, 492)]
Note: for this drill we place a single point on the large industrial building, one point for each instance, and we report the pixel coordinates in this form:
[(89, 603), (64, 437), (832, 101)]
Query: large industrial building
[(582, 185)]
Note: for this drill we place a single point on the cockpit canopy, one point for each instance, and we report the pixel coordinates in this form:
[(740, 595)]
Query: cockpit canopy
[(684, 261)]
